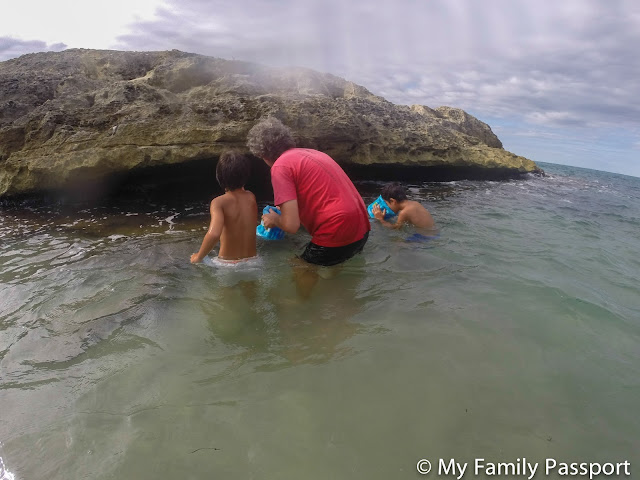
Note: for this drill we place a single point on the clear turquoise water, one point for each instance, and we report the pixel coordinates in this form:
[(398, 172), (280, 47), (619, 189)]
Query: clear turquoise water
[(515, 334)]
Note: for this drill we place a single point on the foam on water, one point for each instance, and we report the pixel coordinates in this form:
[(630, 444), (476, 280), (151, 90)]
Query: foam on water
[(4, 473)]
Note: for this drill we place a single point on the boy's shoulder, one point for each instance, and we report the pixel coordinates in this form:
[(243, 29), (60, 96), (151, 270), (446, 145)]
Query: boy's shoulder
[(415, 205), (219, 199), (231, 197), (248, 196)]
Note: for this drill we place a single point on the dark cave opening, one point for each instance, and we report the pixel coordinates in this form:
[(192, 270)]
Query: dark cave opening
[(195, 180)]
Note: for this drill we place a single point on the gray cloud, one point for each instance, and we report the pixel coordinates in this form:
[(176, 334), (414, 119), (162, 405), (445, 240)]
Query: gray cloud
[(567, 64), (11, 47)]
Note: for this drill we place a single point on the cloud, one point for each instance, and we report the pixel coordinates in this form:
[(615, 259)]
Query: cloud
[(571, 63), (77, 24), (541, 134), (554, 118), (11, 47)]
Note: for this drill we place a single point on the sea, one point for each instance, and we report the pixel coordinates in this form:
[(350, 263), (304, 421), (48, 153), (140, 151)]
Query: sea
[(511, 338)]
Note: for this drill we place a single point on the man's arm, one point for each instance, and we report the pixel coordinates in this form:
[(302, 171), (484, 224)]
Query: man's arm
[(288, 220), (213, 234)]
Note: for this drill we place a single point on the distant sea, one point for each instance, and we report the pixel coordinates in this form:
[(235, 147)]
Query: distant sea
[(514, 335)]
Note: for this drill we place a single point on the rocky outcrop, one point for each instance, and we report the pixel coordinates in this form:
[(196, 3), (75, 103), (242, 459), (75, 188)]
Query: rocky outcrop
[(81, 115)]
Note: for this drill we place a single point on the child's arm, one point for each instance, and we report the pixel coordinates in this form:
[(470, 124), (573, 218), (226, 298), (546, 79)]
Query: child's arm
[(379, 214), (213, 234)]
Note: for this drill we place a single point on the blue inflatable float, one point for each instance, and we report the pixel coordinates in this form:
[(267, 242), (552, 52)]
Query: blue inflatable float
[(274, 233), (388, 213)]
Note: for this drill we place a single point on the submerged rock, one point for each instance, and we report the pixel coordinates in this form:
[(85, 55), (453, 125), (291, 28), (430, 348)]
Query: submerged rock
[(80, 116)]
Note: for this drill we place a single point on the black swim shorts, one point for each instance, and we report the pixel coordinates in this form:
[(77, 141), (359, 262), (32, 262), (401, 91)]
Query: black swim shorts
[(327, 256)]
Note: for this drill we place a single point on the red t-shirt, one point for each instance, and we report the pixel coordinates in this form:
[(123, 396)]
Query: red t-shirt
[(330, 207)]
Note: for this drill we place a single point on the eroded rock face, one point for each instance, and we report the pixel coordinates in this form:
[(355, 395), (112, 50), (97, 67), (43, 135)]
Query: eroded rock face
[(80, 115)]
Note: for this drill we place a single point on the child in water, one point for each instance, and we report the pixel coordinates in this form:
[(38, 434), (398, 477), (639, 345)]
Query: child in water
[(233, 215), (408, 211)]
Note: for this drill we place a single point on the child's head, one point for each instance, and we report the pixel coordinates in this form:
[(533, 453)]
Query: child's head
[(393, 194), (233, 170)]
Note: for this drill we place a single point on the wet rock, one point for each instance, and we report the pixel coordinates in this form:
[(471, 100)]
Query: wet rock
[(79, 116)]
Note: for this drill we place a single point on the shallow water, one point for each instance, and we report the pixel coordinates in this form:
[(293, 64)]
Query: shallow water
[(514, 334)]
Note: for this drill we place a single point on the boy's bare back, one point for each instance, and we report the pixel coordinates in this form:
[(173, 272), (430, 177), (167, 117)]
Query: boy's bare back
[(408, 211), (234, 216), (239, 212), (414, 213)]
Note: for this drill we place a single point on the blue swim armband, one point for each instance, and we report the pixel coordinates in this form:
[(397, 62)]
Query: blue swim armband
[(269, 233), (388, 213)]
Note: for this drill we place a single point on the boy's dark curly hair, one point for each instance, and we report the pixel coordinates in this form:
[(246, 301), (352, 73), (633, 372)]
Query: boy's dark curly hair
[(233, 170), (395, 191)]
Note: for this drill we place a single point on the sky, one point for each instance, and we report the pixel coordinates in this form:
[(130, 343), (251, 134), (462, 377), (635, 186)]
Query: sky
[(557, 81)]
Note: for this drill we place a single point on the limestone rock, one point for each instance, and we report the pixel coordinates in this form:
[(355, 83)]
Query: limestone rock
[(81, 115)]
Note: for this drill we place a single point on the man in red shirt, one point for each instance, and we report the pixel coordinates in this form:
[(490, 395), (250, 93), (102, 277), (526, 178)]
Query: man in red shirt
[(311, 189)]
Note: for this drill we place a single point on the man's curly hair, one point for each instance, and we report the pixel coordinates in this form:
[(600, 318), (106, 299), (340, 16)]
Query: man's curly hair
[(270, 138)]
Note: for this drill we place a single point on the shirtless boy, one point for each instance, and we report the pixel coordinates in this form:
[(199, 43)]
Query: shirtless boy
[(234, 214), (408, 211)]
